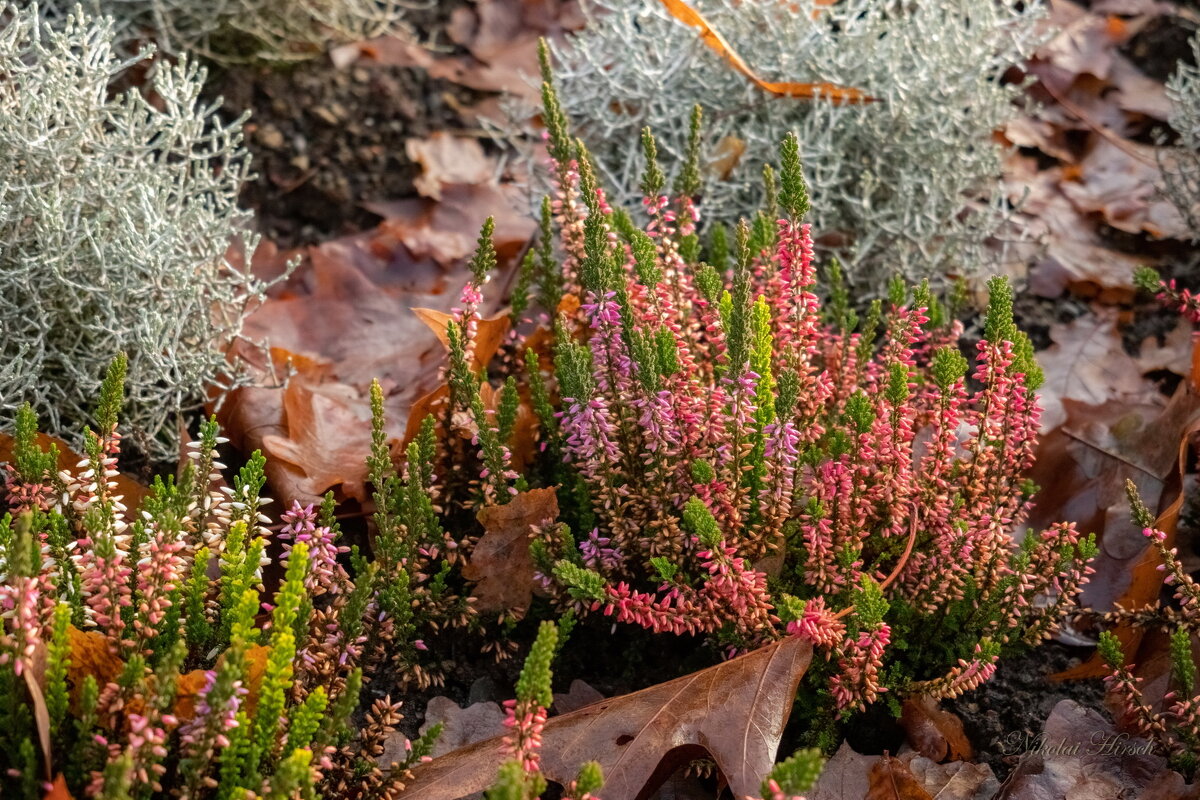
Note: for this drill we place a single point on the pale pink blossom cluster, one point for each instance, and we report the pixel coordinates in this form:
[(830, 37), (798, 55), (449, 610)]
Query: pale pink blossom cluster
[(325, 574)]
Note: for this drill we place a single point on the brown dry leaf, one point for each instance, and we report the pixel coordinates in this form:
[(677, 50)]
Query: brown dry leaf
[(1075, 763), (579, 694), (500, 564), (832, 93), (734, 712), (326, 434), (90, 655), (850, 776), (1087, 462), (58, 789), (462, 727), (725, 157), (132, 492), (934, 732), (341, 321), (446, 160), (446, 231), (892, 780), (1076, 257), (1122, 184), (489, 334), (1088, 364)]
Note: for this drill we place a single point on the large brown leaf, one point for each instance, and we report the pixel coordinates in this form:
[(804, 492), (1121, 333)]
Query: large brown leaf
[(501, 564), (734, 713)]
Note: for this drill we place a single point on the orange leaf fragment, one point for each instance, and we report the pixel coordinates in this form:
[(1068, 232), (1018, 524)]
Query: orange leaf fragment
[(838, 95), (58, 789)]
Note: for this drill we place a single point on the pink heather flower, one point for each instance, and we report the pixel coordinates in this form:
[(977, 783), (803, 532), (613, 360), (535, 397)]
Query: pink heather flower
[(325, 574), (598, 555), (1152, 533), (525, 722), (818, 624)]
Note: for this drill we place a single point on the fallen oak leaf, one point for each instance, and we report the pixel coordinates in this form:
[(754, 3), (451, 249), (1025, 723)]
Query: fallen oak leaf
[(837, 95), (934, 732), (501, 564), (733, 712), (489, 333), (891, 779)]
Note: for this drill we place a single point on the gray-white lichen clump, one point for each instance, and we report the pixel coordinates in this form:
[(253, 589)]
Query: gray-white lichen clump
[(116, 216), (908, 184), (1181, 168), (244, 30)]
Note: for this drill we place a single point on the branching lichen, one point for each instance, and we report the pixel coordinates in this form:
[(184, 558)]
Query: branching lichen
[(116, 217), (909, 184)]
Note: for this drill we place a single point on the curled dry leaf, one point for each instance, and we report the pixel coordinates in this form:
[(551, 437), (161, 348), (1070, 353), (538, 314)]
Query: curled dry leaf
[(829, 92), (500, 564), (851, 776), (733, 712), (934, 732)]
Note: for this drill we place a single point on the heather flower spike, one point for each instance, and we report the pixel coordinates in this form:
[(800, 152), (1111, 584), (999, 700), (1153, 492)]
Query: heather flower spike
[(171, 597)]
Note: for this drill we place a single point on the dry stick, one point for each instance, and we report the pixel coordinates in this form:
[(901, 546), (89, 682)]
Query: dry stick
[(912, 538)]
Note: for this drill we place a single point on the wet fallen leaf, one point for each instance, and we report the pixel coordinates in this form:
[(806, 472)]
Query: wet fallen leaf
[(734, 712), (934, 732), (892, 780), (500, 564), (829, 92)]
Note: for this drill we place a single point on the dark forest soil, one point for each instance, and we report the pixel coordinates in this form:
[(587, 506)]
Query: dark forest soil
[(326, 140), (1013, 706)]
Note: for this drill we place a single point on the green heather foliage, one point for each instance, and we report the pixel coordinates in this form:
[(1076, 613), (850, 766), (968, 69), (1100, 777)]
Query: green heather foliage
[(116, 216), (164, 675), (738, 460)]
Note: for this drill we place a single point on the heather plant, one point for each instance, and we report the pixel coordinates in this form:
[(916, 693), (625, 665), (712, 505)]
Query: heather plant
[(273, 31), (739, 460), (141, 655), (909, 184), (116, 216), (1181, 172), (1174, 726)]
